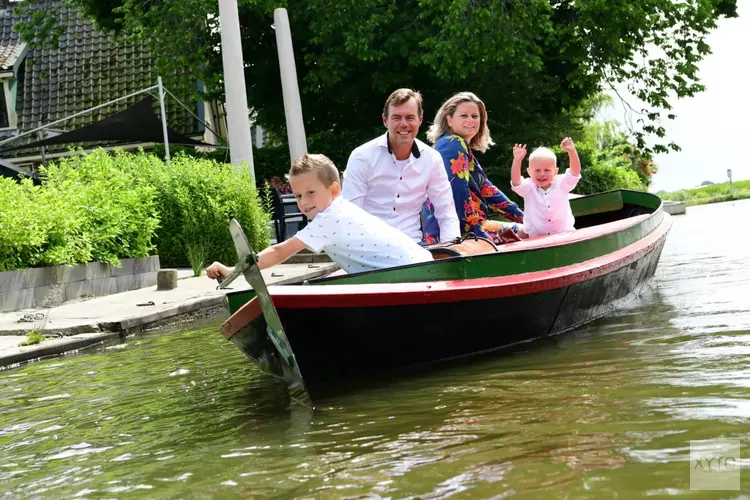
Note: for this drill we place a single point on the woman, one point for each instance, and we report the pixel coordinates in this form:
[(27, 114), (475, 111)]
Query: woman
[(461, 126)]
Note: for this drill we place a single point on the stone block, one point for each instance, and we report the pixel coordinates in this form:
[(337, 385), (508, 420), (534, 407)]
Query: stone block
[(76, 289), (34, 277), (99, 287), (69, 274), (140, 265), (126, 268), (47, 276), (15, 300), (166, 279), (146, 264), (144, 280), (41, 276), (9, 280), (61, 274), (97, 270), (125, 283), (49, 296), (148, 279)]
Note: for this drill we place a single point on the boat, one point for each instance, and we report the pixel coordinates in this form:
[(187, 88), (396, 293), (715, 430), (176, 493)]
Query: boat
[(674, 207), (331, 329)]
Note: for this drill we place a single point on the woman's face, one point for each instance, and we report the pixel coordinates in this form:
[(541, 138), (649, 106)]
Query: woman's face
[(465, 121)]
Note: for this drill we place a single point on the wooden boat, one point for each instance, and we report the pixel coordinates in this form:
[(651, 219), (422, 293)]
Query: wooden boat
[(335, 328)]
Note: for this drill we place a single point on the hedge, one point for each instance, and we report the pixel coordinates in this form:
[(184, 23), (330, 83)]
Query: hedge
[(103, 207)]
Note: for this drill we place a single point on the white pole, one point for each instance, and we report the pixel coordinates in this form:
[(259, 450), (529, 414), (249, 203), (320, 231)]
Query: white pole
[(238, 121), (295, 127), (163, 118)]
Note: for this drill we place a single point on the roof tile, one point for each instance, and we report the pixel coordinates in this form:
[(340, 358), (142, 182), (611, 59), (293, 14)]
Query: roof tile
[(86, 70)]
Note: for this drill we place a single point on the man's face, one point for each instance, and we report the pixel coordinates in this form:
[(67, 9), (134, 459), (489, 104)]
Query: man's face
[(403, 123)]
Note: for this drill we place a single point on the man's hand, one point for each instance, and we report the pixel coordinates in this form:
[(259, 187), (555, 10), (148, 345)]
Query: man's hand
[(567, 145), (519, 152), (218, 269)]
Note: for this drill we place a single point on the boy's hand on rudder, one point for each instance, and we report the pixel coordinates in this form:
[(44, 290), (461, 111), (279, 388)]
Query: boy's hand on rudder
[(217, 269), (519, 152), (567, 145)]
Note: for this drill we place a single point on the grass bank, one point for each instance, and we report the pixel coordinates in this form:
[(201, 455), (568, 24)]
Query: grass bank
[(714, 193)]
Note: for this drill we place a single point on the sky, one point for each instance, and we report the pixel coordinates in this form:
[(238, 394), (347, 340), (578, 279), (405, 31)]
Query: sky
[(712, 128)]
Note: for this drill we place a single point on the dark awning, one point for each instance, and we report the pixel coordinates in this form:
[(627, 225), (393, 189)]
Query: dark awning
[(14, 172), (137, 123)]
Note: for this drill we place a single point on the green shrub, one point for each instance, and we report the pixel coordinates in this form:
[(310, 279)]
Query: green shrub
[(196, 198), (268, 162), (103, 207), (21, 226), (87, 208), (603, 177), (106, 212), (33, 337)]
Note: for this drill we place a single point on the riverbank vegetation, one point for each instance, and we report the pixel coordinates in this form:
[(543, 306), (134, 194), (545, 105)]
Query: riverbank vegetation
[(104, 207), (715, 193), (32, 338)]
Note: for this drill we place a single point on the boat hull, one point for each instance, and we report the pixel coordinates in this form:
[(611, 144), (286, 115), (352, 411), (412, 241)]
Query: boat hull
[(370, 340), (339, 332)]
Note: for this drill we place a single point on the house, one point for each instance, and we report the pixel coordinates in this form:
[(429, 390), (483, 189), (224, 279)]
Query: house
[(88, 69)]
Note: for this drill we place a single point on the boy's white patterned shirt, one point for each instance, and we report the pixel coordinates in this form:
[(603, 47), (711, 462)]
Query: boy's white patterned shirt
[(358, 241)]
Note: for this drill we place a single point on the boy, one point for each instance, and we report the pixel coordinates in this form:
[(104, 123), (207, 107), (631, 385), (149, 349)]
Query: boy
[(354, 239), (545, 194)]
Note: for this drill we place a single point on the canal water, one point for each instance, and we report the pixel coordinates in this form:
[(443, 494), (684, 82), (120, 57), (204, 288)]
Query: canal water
[(606, 411)]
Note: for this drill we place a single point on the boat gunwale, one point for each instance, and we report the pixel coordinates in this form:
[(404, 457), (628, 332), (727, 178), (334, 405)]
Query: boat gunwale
[(513, 249)]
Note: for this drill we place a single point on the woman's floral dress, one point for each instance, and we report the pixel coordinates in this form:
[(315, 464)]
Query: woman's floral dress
[(475, 196)]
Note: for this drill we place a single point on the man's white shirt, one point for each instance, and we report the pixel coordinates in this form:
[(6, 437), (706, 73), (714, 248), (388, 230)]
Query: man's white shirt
[(358, 241), (547, 211), (375, 182)]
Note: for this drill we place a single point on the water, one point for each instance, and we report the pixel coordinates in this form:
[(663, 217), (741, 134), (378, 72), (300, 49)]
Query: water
[(606, 411)]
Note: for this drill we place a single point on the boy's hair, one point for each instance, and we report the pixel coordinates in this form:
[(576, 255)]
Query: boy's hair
[(543, 153), (320, 165), (400, 96), (481, 141)]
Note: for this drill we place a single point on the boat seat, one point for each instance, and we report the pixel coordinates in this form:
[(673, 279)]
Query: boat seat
[(600, 203)]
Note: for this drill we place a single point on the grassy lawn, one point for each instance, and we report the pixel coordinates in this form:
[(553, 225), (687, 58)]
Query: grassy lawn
[(714, 193)]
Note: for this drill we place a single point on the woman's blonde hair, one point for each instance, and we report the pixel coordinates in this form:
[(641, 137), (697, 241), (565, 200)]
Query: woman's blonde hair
[(479, 142)]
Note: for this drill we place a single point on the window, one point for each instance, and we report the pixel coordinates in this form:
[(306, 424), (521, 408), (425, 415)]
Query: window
[(4, 118)]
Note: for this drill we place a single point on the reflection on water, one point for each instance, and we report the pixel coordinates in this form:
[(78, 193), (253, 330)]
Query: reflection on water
[(607, 410)]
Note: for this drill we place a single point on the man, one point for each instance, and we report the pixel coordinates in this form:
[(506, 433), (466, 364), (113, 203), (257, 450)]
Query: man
[(392, 175)]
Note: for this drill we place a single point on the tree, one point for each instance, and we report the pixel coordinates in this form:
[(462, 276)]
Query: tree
[(533, 62)]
